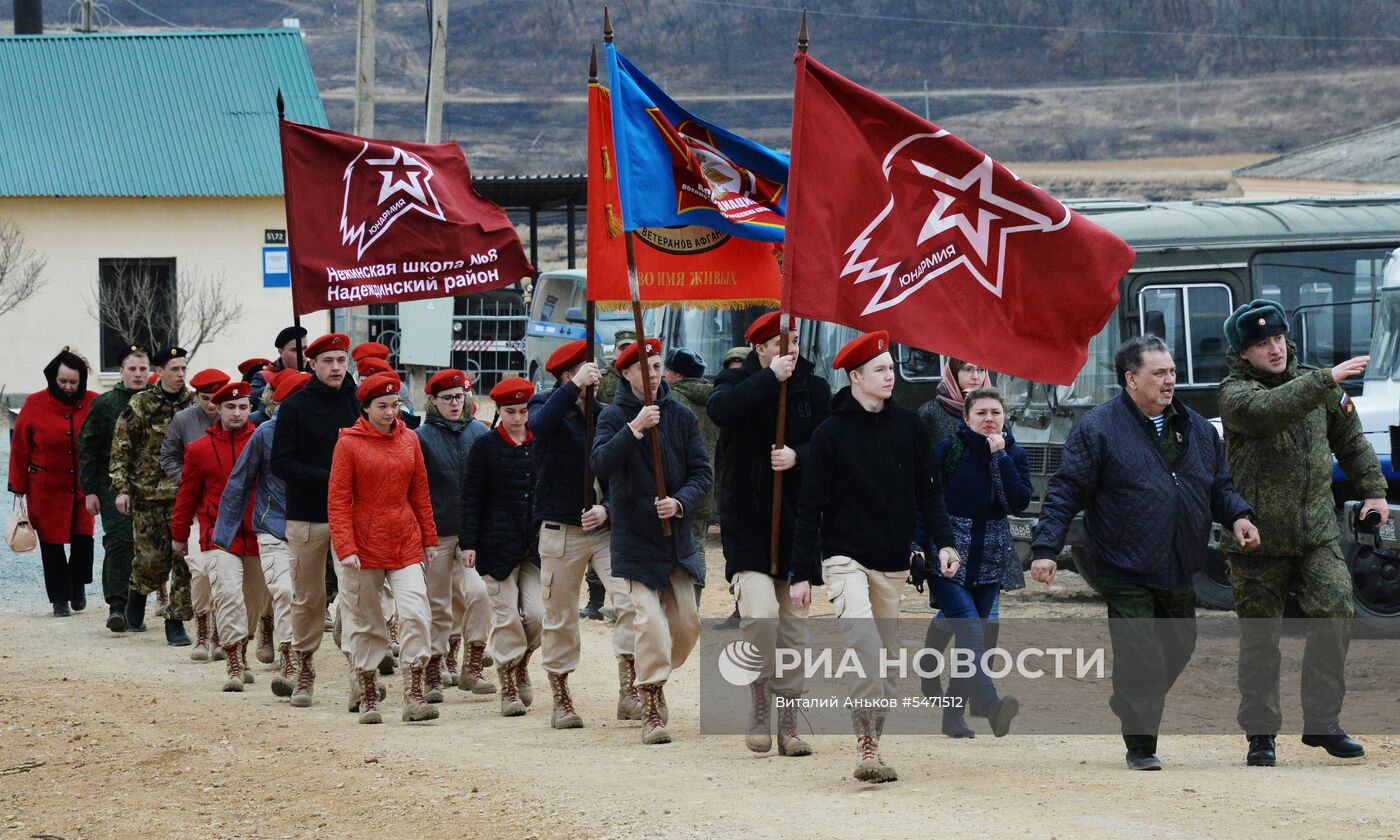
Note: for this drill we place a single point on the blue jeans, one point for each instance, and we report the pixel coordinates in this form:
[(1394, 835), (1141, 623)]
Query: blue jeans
[(966, 609)]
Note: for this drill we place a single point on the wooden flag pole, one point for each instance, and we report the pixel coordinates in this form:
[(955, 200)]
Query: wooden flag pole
[(296, 316), (780, 434), (590, 421)]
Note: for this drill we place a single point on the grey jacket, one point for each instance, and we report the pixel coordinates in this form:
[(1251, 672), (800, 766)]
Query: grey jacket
[(446, 444), (253, 470), (186, 427)]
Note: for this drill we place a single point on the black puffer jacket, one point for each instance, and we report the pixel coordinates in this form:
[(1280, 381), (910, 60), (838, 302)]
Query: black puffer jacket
[(496, 519), (558, 426), (446, 445), (866, 473), (640, 551), (744, 404), (308, 426), (1147, 524)]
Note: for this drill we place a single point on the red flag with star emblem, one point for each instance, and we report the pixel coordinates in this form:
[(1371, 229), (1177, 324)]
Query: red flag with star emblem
[(379, 221), (895, 224)]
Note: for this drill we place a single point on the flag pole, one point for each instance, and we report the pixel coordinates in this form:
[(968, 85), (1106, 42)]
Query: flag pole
[(633, 289), (296, 316), (590, 355), (780, 434)]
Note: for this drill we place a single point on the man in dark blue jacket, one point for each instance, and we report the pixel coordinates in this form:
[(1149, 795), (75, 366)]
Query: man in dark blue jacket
[(1150, 475), (658, 568), (574, 534)]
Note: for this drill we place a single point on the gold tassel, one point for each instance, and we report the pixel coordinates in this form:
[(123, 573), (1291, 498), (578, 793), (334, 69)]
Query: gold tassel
[(607, 164), (614, 223)]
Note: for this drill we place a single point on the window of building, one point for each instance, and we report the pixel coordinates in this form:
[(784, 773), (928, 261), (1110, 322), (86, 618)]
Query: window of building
[(136, 304)]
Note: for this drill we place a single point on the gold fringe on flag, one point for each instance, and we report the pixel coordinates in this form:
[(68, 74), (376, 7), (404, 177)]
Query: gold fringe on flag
[(615, 305)]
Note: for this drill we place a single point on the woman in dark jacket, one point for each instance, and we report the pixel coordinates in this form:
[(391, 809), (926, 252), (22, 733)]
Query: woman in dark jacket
[(498, 540), (986, 477), (44, 478)]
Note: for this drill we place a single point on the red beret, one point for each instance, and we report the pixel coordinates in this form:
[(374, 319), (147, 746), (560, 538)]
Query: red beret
[(288, 383), (628, 357), (370, 365), (567, 358), (153, 379), (860, 350), (233, 391), (327, 343), (272, 377), (446, 379), (208, 381), (512, 391), (251, 364), (763, 328), (369, 350), (378, 385)]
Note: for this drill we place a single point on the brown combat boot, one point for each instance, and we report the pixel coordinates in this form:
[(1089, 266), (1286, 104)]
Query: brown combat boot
[(394, 637), (564, 716), (522, 680), (353, 704), (216, 645), (265, 651), (789, 742), (629, 701), (282, 683), (415, 706), (306, 680), (472, 678), (511, 706), (760, 735), (243, 658), (432, 675), (870, 767), (235, 669), (368, 689), (450, 664), (653, 727), (200, 651)]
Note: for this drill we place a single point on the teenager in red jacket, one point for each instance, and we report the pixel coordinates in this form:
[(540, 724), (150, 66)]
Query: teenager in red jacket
[(239, 591), (44, 477), (381, 520)]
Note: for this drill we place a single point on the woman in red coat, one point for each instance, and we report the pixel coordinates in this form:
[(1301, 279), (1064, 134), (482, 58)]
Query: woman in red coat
[(44, 475), (382, 530)]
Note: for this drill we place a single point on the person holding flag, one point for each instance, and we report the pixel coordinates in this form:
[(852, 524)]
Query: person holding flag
[(745, 405), (865, 464)]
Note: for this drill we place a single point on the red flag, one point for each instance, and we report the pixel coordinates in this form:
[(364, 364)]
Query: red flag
[(895, 224), (692, 264), (374, 221)]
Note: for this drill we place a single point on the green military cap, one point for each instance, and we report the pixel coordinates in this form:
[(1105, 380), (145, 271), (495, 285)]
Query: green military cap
[(735, 354), (624, 337)]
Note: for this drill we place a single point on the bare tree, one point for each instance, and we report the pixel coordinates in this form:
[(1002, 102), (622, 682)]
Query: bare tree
[(138, 305), (21, 270)]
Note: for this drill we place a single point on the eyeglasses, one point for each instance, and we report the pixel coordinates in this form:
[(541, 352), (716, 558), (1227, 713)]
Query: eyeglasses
[(453, 398)]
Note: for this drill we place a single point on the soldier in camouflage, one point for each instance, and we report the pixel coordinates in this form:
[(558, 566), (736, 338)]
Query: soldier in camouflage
[(607, 386), (1284, 421), (146, 494), (94, 455)]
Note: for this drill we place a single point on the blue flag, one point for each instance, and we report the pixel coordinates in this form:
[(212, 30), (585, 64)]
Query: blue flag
[(675, 169)]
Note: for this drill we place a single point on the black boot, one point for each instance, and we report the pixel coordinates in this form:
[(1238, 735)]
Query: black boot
[(79, 601), (61, 610), (116, 617), (1337, 743), (175, 635), (1261, 751), (731, 623), (1140, 759), (954, 726), (135, 611)]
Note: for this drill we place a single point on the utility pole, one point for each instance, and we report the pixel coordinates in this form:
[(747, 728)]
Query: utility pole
[(87, 16), (437, 65), (364, 70)]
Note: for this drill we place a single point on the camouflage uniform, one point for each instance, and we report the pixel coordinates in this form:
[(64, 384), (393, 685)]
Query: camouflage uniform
[(695, 393), (94, 456), (136, 470), (1281, 431), (609, 383)]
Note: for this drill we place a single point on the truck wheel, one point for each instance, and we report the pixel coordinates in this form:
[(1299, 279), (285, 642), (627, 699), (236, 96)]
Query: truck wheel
[(1212, 583), (1375, 580), (1084, 565)]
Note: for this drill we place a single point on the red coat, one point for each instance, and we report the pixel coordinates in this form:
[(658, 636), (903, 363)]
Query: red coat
[(379, 507), (208, 463), (44, 465)]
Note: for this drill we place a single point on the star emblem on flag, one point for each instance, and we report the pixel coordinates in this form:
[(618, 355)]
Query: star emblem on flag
[(380, 190)]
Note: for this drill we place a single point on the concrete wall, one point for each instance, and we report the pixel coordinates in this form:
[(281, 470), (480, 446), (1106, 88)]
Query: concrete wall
[(207, 235), (1255, 187)]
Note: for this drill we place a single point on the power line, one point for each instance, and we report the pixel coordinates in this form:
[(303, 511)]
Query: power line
[(1084, 30), (152, 14)]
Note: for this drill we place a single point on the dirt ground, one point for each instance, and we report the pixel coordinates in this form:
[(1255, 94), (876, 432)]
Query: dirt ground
[(108, 736)]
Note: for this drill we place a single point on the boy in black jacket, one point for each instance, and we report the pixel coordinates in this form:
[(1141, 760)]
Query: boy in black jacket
[(854, 523)]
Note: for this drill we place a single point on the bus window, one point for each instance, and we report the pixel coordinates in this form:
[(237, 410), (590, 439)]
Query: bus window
[(917, 365), (1190, 318), (1329, 297)]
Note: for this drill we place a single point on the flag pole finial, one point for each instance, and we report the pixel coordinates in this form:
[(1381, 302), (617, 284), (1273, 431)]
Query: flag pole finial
[(593, 66), (802, 34), (607, 27), (281, 107)]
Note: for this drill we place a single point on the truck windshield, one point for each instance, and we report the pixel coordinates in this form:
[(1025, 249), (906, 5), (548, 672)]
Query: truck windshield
[(1095, 384), (1385, 342)]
